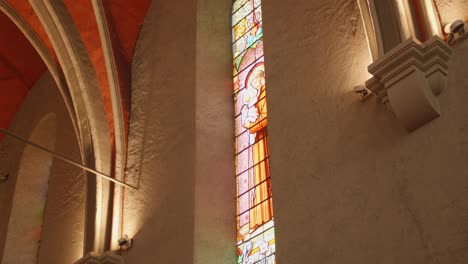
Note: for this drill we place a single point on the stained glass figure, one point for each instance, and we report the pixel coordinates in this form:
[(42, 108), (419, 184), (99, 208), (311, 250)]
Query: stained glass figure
[(255, 221)]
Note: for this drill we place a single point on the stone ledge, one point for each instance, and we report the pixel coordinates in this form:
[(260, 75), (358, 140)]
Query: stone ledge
[(106, 258), (409, 77)]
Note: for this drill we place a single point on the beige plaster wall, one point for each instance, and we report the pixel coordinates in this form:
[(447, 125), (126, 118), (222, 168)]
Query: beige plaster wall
[(181, 143), (451, 10), (30, 195), (215, 206), (160, 215), (63, 226), (350, 184)]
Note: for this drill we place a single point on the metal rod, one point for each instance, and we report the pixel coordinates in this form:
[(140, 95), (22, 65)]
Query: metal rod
[(97, 173)]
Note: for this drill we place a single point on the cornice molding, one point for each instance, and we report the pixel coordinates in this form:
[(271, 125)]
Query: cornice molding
[(106, 258), (409, 77)]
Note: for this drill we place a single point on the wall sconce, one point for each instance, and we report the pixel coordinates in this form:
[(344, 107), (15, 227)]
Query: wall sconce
[(363, 92), (456, 31), (125, 243)]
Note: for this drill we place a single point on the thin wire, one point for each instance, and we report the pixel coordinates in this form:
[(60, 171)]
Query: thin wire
[(97, 173)]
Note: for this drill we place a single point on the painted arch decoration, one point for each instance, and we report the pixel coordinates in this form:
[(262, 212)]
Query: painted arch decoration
[(255, 218)]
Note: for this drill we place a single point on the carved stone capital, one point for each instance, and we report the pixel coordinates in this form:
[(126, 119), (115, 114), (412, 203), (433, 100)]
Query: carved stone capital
[(106, 258), (409, 77)]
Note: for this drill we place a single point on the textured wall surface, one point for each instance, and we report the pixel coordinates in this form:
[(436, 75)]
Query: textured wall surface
[(63, 229), (160, 215), (350, 184), (181, 143), (30, 194), (451, 10), (215, 209)]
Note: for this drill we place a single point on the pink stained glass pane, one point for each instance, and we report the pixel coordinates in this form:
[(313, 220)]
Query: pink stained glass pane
[(238, 126), (243, 205), (238, 95), (243, 162), (243, 220), (242, 183), (242, 142)]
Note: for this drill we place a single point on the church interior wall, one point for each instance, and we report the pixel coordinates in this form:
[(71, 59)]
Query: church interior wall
[(181, 143), (62, 234), (350, 184), (451, 10), (214, 181)]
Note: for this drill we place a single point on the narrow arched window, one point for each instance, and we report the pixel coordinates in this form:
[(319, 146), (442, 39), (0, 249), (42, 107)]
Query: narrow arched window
[(255, 221)]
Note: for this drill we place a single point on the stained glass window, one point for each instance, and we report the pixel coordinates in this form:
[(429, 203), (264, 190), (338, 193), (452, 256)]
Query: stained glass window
[(255, 222)]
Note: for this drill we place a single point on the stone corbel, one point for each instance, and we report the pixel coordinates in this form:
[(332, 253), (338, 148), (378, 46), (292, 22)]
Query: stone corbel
[(106, 258), (409, 78)]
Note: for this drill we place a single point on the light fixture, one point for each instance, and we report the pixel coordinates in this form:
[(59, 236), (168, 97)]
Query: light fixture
[(125, 243), (363, 92), (455, 30)]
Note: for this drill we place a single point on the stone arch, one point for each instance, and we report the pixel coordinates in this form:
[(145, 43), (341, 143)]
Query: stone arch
[(89, 107), (76, 80), (27, 213)]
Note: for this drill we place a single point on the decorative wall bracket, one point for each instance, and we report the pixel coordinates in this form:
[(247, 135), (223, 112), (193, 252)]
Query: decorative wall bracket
[(106, 258), (409, 78)]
